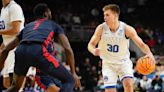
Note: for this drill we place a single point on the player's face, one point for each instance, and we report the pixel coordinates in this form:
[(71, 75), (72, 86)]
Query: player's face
[(109, 16)]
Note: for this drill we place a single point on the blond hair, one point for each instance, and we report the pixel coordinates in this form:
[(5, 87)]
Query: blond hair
[(113, 7)]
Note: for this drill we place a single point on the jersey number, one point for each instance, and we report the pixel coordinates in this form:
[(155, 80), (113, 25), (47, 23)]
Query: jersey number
[(2, 24), (113, 48)]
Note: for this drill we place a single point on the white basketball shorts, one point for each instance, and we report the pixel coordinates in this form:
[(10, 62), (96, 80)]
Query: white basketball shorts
[(9, 64), (111, 72)]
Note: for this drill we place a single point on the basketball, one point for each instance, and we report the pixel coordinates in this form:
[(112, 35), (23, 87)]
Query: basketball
[(145, 66)]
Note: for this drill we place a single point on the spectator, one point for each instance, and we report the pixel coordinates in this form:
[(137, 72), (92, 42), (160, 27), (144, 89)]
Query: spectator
[(157, 84), (145, 83)]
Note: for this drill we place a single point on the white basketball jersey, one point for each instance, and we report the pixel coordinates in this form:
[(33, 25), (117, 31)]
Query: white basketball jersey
[(12, 12), (114, 46)]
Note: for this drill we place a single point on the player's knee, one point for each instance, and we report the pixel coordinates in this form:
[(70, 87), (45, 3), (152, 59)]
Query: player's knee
[(128, 84), (6, 84)]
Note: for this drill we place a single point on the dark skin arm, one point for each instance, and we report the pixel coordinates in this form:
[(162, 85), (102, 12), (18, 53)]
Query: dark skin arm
[(4, 52), (70, 57)]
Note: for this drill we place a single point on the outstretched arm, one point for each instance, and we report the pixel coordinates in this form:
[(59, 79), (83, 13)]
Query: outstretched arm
[(131, 33), (68, 50), (70, 56)]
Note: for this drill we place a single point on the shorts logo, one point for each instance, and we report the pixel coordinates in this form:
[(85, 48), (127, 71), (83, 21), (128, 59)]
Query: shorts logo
[(105, 78)]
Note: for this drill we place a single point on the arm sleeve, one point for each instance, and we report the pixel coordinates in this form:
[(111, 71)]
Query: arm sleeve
[(58, 30), (16, 13)]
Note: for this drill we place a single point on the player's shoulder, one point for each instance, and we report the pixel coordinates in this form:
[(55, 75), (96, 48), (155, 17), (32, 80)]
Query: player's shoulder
[(29, 25), (100, 26), (53, 22), (99, 29), (129, 28), (14, 5), (126, 26), (55, 25), (50, 21)]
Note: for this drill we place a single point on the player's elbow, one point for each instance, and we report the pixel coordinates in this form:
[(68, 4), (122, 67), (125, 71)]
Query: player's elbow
[(15, 31), (89, 47)]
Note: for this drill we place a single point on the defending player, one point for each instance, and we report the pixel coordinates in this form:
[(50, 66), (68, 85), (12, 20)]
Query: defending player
[(36, 37)]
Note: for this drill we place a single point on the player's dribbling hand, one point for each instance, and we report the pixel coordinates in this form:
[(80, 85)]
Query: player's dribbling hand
[(96, 52), (77, 81), (150, 55)]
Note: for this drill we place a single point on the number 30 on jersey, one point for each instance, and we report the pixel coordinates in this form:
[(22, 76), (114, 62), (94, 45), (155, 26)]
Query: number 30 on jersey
[(112, 48)]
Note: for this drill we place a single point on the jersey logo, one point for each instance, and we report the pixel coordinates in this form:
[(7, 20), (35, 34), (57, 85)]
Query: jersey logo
[(120, 32), (105, 78), (112, 48)]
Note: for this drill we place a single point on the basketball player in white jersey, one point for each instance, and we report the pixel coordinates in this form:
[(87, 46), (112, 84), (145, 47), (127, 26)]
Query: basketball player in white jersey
[(112, 38), (12, 21)]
